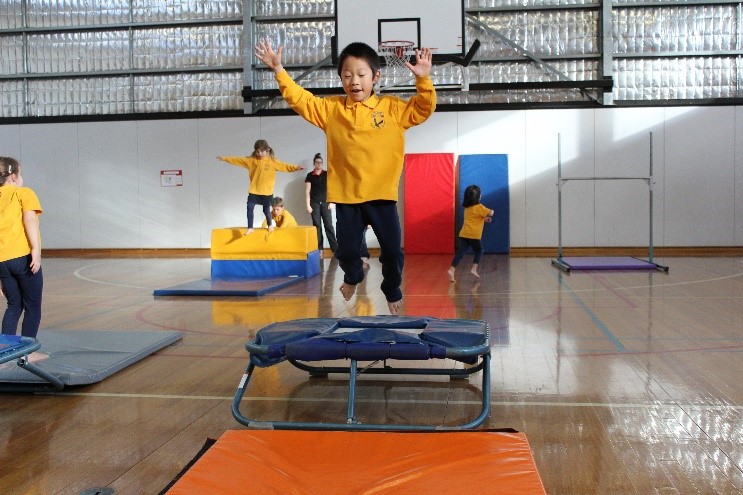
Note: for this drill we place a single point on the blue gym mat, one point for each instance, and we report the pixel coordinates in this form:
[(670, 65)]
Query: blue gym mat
[(229, 287), (82, 357)]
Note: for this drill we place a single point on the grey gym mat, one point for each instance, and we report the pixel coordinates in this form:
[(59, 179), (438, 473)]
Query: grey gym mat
[(82, 357)]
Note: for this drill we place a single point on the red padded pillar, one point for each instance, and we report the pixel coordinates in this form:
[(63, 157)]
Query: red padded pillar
[(429, 203)]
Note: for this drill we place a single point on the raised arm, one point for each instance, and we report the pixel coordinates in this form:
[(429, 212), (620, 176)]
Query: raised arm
[(266, 54), (423, 62), (310, 107)]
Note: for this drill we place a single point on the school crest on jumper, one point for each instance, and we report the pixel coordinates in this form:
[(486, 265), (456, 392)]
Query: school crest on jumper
[(378, 119)]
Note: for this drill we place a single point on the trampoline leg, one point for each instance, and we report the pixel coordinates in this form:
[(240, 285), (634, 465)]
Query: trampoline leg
[(54, 385), (350, 419)]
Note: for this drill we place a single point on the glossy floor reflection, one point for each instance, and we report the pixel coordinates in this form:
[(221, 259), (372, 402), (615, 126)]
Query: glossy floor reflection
[(624, 382)]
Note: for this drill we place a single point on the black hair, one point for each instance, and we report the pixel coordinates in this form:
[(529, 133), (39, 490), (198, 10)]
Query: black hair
[(317, 156), (362, 51), (8, 166), (471, 196)]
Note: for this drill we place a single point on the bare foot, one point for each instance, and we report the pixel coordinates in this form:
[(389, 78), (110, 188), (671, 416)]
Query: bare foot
[(451, 274), (248, 232), (474, 272), (347, 290), (395, 307), (36, 356)]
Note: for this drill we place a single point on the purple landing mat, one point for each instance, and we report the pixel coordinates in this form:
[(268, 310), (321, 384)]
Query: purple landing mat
[(607, 263), (228, 287)]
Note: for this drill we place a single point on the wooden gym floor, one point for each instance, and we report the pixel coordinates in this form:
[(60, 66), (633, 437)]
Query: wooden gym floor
[(624, 382)]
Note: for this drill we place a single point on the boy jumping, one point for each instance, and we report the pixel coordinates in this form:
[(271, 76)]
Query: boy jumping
[(366, 149)]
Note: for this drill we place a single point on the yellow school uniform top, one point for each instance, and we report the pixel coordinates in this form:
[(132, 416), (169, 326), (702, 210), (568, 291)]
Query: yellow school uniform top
[(286, 219), (366, 140), (262, 171), (14, 201), (474, 220)]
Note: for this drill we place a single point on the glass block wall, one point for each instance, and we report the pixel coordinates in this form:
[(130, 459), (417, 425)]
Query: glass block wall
[(98, 57), (66, 58)]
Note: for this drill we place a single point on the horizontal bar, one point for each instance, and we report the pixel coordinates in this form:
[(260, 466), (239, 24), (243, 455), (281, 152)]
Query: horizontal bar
[(123, 26)]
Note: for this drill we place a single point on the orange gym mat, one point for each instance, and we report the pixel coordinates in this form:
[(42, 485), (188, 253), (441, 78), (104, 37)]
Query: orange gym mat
[(360, 462)]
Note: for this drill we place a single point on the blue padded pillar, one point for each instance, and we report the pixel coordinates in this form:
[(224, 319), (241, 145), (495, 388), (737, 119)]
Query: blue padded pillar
[(490, 172)]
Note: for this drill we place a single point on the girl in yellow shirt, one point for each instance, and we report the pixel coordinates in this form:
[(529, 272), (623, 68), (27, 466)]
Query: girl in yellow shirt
[(20, 252), (262, 166), (475, 217)]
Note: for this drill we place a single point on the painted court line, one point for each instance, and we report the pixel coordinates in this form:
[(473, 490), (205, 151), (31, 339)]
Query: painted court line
[(604, 329), (732, 407)]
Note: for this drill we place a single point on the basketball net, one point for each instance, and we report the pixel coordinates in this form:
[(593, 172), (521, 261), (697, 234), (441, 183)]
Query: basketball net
[(396, 53)]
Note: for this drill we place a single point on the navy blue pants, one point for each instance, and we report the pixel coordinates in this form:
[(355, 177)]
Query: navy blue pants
[(475, 244), (265, 202), (351, 222), (22, 289)]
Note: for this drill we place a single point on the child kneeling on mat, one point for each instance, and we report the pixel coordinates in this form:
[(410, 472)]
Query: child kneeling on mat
[(281, 217)]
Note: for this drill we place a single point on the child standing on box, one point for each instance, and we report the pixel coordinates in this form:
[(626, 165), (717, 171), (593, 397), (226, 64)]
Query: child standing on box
[(21, 277), (366, 147), (262, 166), (475, 217)]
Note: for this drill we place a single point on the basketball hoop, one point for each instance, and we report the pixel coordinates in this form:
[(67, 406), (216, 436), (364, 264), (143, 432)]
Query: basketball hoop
[(396, 53)]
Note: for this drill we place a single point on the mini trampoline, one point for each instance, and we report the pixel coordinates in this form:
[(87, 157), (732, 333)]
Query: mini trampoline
[(369, 339)]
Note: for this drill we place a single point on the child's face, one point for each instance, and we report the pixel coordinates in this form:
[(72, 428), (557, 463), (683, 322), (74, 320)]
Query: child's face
[(318, 164), (261, 153), (277, 211), (358, 78)]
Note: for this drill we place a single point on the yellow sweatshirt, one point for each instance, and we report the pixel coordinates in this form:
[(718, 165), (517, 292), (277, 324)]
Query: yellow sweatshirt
[(366, 140), (284, 220), (474, 221), (262, 171), (14, 201)]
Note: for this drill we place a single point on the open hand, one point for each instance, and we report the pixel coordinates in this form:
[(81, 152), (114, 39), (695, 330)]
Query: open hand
[(423, 62), (266, 54)]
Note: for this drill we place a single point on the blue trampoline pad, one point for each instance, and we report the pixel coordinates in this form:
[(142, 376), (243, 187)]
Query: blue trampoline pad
[(82, 357), (607, 263), (228, 287)]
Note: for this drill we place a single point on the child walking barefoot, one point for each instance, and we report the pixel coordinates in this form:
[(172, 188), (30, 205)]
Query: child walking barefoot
[(475, 217)]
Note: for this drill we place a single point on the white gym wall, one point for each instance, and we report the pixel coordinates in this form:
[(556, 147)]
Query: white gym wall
[(99, 182)]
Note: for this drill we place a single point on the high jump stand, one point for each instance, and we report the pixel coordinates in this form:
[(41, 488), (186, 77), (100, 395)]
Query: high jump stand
[(649, 180)]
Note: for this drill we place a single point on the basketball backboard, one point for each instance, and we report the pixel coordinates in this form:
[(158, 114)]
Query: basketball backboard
[(435, 24)]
